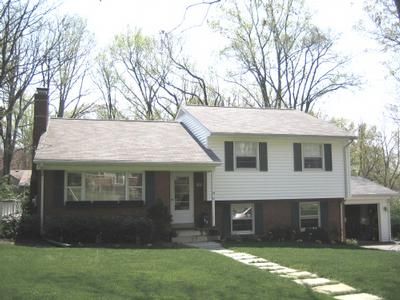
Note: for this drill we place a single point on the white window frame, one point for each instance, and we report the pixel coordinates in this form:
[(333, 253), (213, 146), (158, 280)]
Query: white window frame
[(309, 217), (234, 155), (322, 157), (243, 232), (83, 187)]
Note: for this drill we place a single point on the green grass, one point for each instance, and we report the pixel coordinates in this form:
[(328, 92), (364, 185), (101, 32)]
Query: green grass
[(373, 271), (90, 273)]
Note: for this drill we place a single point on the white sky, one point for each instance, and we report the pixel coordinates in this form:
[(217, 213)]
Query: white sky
[(108, 17)]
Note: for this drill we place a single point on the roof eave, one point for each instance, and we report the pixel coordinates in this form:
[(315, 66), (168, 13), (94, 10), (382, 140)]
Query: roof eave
[(351, 137)]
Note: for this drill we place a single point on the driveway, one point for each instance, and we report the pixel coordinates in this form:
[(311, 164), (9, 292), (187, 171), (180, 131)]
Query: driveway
[(385, 247)]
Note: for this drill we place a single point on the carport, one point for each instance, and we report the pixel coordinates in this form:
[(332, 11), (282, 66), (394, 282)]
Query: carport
[(367, 211)]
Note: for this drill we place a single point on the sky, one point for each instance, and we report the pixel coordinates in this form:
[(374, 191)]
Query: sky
[(368, 103)]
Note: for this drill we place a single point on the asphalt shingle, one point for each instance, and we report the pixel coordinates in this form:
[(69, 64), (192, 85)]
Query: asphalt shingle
[(232, 120), (71, 140)]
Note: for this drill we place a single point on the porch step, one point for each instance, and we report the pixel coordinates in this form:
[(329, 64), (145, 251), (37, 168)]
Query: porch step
[(184, 236)]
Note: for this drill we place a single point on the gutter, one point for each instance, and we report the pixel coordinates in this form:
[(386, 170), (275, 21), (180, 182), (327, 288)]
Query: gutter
[(346, 188)]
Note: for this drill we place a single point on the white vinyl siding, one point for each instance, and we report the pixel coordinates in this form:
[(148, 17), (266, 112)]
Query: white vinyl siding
[(280, 182), (195, 127)]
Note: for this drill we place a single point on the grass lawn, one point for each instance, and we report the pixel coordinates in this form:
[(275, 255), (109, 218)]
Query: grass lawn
[(89, 273), (372, 271)]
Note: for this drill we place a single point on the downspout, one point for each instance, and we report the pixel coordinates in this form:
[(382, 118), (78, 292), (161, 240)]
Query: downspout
[(212, 199), (346, 188), (41, 202)]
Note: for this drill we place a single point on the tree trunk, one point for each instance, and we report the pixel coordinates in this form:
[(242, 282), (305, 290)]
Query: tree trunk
[(397, 2), (8, 146)]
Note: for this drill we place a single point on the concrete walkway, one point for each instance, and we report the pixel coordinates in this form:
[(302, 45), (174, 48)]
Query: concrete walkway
[(386, 247), (318, 284)]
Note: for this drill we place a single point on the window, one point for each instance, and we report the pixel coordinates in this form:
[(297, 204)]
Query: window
[(104, 186), (242, 218), (246, 155), (309, 215), (312, 155), (74, 187)]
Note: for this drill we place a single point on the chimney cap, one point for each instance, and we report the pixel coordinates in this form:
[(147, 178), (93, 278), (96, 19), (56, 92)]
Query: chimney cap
[(42, 91)]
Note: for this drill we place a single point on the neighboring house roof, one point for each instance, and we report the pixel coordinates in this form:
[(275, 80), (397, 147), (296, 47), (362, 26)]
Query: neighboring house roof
[(102, 141), (23, 177), (232, 120), (364, 187)]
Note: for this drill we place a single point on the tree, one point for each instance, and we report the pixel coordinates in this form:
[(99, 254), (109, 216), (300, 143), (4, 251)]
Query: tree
[(22, 31), (283, 60), (140, 68), (105, 79), (67, 66)]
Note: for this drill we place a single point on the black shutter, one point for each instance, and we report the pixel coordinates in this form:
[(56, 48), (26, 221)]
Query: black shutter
[(263, 156), (324, 211), (228, 156), (259, 218), (227, 220), (150, 189), (295, 215), (297, 157), (328, 157)]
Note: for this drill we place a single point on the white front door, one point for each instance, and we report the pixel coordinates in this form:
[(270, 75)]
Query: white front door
[(182, 197)]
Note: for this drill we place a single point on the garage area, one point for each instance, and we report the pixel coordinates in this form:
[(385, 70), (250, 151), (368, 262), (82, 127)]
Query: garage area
[(367, 211), (362, 222)]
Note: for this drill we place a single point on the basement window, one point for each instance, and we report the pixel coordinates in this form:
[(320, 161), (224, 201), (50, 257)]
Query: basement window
[(309, 215), (242, 218)]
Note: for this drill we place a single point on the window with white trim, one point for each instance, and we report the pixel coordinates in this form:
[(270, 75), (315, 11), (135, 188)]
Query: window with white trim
[(309, 215), (242, 218), (312, 156), (104, 186), (246, 155)]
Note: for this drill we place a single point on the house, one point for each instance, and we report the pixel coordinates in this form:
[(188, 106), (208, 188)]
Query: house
[(245, 171)]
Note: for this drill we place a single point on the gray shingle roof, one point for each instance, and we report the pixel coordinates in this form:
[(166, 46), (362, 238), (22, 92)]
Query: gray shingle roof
[(363, 187), (230, 120), (68, 140)]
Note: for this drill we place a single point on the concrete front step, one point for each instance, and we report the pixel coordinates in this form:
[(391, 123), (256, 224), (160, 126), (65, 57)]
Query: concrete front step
[(185, 236)]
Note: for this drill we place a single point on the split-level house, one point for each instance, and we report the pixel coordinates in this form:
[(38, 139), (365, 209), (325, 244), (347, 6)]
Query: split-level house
[(245, 171)]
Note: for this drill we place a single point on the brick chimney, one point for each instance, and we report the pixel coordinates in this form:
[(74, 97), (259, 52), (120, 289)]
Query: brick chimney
[(40, 119)]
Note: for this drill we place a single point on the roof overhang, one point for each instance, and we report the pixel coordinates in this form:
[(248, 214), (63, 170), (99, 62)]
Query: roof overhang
[(239, 134), (123, 165)]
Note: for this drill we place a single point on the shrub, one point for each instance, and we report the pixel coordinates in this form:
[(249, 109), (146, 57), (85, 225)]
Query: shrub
[(114, 229), (280, 234), (9, 226), (395, 218), (161, 220), (312, 235)]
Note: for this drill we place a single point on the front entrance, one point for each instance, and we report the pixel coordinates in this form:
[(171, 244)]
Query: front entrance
[(182, 206), (362, 222)]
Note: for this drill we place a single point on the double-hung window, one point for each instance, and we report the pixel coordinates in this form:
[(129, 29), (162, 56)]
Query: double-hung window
[(104, 186), (246, 155), (312, 156), (242, 218), (309, 215)]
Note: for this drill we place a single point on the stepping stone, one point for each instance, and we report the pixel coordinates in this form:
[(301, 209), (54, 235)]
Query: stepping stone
[(265, 264), (250, 261), (360, 296), (271, 268), (314, 281), (300, 274), (239, 255), (284, 271), (223, 251), (334, 289)]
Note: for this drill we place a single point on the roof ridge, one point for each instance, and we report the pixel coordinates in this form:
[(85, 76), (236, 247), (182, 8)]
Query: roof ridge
[(128, 121), (241, 107)]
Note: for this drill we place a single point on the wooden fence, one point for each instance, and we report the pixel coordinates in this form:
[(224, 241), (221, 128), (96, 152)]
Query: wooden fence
[(10, 207)]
